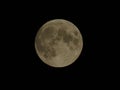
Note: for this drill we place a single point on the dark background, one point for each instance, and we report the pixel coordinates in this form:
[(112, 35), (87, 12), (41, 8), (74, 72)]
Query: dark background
[(86, 66), (23, 21)]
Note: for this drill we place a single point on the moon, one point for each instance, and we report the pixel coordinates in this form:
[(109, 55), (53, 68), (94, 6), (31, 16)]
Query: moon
[(58, 43)]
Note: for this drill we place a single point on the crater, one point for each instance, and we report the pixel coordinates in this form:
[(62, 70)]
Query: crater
[(67, 38), (50, 52), (48, 32), (61, 32), (76, 33), (76, 41)]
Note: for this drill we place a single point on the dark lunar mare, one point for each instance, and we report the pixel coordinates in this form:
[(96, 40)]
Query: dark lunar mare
[(48, 49), (67, 37)]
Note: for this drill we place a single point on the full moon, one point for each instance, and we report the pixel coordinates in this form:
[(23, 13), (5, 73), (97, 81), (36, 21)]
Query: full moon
[(58, 43)]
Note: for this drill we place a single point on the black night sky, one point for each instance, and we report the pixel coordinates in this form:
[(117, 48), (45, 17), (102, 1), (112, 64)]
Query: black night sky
[(27, 19), (87, 64)]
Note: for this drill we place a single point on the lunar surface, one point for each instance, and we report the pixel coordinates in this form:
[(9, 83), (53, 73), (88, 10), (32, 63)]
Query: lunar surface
[(58, 43)]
